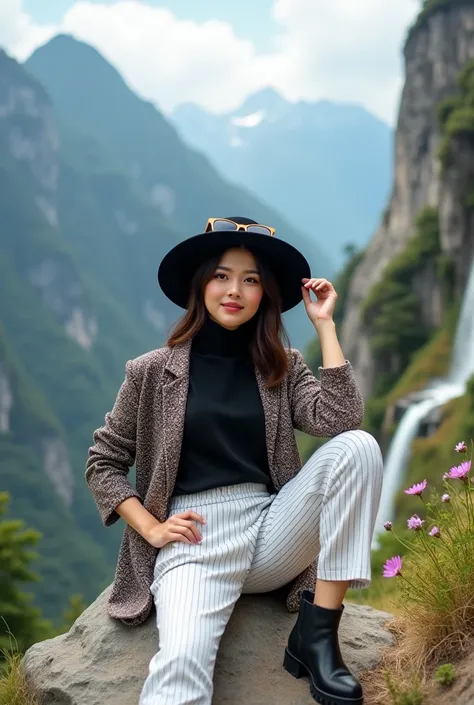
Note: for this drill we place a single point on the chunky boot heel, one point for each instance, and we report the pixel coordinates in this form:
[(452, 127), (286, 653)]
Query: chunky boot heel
[(293, 666)]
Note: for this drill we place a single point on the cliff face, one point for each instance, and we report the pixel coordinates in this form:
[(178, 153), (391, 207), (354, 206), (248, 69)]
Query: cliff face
[(434, 55)]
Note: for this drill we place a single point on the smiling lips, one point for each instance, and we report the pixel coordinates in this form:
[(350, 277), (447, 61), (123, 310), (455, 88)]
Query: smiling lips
[(232, 307)]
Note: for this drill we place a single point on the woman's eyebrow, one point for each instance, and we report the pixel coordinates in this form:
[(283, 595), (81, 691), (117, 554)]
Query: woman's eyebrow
[(246, 271)]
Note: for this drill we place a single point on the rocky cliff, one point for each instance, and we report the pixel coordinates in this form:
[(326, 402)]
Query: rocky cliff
[(439, 46)]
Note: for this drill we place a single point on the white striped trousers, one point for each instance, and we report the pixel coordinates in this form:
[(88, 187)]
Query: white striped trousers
[(254, 541)]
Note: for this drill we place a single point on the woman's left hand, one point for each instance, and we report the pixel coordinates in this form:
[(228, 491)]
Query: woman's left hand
[(323, 308)]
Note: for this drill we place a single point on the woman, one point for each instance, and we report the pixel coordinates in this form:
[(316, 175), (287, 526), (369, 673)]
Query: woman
[(221, 504)]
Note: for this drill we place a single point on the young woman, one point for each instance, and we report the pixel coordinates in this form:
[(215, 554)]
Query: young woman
[(222, 505)]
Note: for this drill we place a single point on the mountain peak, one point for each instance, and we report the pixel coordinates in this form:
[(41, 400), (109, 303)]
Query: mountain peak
[(267, 100), (69, 59), (67, 42)]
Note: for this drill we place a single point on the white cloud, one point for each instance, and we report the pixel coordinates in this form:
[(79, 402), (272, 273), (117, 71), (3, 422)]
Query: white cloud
[(167, 59), (18, 33), (342, 50)]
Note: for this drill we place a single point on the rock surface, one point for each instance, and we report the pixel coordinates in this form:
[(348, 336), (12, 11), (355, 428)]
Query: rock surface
[(103, 661)]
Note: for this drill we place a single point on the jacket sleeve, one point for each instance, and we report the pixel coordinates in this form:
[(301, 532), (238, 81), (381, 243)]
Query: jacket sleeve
[(113, 453), (326, 407)]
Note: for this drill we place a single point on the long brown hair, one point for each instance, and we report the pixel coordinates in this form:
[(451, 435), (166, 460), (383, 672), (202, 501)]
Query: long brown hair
[(268, 349)]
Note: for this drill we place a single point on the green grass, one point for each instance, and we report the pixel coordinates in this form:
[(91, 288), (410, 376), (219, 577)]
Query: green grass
[(14, 688)]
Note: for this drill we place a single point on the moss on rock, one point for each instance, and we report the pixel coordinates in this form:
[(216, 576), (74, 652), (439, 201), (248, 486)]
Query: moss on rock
[(455, 114), (431, 361), (392, 309)]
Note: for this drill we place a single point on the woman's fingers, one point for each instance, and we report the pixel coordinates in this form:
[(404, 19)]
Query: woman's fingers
[(181, 527), (186, 525), (189, 514), (306, 296), (190, 530), (179, 537), (317, 284)]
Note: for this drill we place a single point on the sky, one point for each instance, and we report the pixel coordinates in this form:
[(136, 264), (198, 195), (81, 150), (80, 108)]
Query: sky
[(218, 52)]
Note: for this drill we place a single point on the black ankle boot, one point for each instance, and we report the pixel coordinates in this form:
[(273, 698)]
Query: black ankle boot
[(313, 650)]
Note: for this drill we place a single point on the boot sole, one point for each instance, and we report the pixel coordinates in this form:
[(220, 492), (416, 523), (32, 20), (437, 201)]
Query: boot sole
[(298, 670)]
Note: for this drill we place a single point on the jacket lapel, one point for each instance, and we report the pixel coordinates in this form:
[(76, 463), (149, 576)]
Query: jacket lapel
[(271, 409), (174, 399)]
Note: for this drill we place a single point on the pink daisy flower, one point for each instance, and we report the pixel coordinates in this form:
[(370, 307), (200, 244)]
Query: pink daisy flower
[(435, 532), (446, 498), (460, 472), (387, 526), (392, 567), (415, 523), (417, 489), (461, 447)]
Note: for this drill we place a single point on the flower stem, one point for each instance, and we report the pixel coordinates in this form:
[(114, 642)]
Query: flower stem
[(432, 554), (416, 590), (406, 545)]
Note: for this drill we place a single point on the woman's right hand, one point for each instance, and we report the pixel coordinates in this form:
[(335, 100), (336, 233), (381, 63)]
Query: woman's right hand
[(178, 527)]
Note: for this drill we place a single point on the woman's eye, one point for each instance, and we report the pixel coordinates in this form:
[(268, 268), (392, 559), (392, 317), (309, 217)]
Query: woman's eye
[(252, 280), (220, 275)]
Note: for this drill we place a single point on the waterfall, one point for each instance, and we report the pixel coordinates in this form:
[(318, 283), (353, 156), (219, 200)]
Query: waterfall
[(435, 395)]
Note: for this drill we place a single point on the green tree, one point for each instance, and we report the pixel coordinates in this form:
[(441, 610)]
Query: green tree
[(21, 623), (74, 610)]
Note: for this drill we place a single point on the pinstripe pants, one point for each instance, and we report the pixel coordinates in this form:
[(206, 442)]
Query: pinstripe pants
[(254, 541)]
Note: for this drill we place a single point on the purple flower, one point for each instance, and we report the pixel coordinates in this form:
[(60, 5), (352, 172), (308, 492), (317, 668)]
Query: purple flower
[(387, 526), (459, 472), (415, 523), (417, 489), (435, 532), (461, 447), (392, 567), (446, 498)]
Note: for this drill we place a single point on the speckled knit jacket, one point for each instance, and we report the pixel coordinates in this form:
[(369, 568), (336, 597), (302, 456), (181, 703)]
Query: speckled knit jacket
[(146, 425)]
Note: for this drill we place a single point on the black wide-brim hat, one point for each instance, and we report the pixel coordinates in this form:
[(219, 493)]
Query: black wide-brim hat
[(178, 266)]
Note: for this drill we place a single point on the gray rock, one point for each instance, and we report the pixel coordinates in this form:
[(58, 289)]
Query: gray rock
[(103, 661)]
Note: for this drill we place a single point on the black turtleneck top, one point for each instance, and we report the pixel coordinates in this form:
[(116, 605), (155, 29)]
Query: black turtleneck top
[(224, 439)]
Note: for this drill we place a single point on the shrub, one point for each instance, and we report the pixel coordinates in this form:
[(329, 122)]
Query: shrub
[(401, 694), (435, 577), (445, 674), (460, 122)]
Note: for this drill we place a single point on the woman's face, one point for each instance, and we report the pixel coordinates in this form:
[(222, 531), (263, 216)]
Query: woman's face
[(233, 295)]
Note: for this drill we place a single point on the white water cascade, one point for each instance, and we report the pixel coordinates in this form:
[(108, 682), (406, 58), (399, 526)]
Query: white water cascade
[(435, 395)]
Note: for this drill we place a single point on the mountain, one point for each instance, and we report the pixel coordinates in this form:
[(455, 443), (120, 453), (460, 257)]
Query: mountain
[(51, 386), (91, 97), (325, 166)]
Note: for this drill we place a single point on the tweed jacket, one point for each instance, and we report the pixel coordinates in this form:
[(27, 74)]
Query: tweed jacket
[(145, 427)]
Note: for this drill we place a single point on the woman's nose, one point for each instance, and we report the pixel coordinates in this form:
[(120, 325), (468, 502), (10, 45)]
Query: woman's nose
[(234, 288)]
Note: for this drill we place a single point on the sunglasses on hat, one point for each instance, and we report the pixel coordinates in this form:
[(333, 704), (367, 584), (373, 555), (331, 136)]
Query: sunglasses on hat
[(219, 224)]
